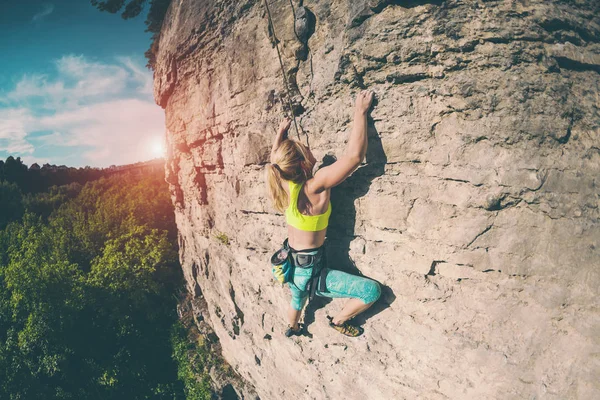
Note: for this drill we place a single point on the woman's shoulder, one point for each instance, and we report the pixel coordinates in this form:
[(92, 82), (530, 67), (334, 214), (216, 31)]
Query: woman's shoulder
[(312, 188)]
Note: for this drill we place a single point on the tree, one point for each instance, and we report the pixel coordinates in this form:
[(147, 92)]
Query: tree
[(14, 170), (11, 203), (42, 296), (87, 277)]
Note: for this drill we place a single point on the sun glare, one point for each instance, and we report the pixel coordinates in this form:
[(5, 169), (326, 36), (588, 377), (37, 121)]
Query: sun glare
[(158, 148)]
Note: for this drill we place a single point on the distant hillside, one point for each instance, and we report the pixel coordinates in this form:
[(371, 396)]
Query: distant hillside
[(35, 179)]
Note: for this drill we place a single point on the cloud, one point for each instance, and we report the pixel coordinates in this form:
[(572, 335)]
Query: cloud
[(103, 111), (47, 10), (28, 160), (115, 131), (139, 74), (78, 82), (13, 131)]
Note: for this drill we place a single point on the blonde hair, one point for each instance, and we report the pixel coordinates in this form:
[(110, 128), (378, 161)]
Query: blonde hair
[(290, 162)]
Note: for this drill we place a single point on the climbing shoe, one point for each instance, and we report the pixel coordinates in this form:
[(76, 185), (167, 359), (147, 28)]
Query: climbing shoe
[(291, 332), (346, 328)]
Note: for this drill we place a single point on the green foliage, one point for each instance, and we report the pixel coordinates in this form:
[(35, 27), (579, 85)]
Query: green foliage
[(134, 263), (133, 8), (192, 360), (13, 170), (223, 238), (87, 277), (111, 207), (11, 203), (45, 203), (44, 293)]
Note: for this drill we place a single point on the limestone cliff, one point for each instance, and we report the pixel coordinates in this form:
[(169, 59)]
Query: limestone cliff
[(477, 207)]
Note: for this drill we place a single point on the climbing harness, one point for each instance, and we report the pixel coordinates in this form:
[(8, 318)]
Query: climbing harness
[(316, 260), (285, 81), (285, 260)]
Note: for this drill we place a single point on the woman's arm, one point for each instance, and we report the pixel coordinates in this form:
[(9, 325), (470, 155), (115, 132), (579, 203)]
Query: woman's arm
[(281, 135), (357, 144), (337, 172)]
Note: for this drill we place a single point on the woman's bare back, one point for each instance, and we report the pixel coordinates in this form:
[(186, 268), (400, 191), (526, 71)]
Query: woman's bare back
[(309, 203)]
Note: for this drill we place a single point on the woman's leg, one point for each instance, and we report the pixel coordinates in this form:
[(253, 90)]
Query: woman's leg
[(352, 308), (293, 317), (363, 292), (299, 297)]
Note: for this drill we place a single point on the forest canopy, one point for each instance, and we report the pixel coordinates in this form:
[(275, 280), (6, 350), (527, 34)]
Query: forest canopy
[(89, 277)]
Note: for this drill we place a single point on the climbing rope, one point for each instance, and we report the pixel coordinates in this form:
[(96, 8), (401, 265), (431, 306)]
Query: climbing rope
[(285, 81)]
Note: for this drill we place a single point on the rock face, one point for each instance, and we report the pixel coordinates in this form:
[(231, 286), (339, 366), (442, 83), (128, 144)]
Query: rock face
[(477, 207)]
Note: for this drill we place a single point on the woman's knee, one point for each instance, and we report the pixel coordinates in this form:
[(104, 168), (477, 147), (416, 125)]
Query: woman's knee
[(373, 292)]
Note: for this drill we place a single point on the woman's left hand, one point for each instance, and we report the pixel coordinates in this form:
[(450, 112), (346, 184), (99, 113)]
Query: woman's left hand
[(281, 135)]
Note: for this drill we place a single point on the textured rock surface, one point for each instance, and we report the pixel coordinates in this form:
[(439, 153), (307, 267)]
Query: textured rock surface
[(477, 207)]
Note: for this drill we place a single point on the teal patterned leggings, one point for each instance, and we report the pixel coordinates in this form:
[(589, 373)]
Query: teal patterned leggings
[(338, 284)]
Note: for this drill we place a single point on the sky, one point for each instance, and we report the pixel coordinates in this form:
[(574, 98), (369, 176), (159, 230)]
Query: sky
[(74, 89)]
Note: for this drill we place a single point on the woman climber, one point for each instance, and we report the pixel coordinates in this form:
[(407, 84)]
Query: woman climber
[(305, 199)]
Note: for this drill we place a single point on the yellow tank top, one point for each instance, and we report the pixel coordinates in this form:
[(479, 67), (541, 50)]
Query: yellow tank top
[(295, 218)]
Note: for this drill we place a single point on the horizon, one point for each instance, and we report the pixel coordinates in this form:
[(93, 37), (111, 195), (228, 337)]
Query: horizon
[(72, 91), (156, 159)]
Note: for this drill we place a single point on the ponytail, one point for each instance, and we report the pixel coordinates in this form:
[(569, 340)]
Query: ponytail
[(278, 195), (292, 163)]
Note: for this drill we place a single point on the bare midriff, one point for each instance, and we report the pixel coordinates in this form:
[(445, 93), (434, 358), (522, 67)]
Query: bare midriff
[(301, 240)]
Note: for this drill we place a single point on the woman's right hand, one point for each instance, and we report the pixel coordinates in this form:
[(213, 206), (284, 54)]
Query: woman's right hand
[(364, 99), (284, 126)]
